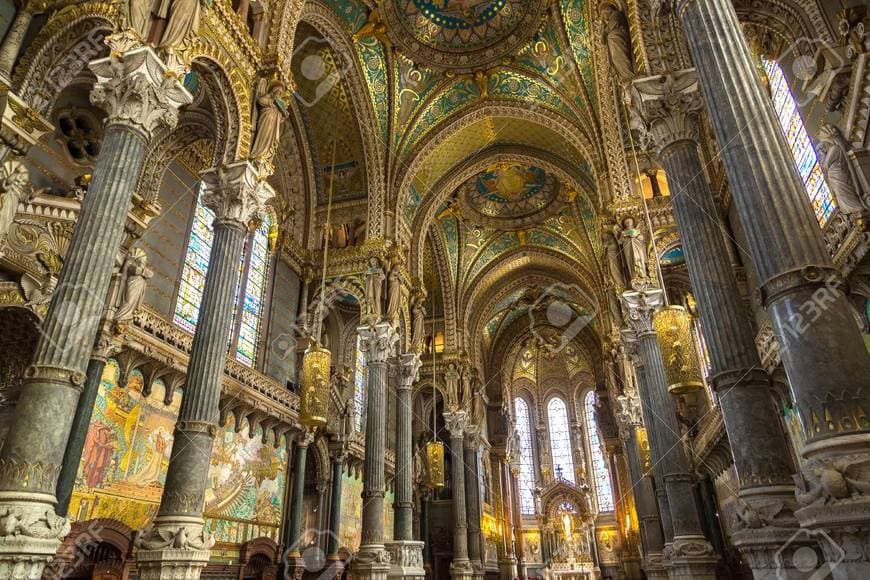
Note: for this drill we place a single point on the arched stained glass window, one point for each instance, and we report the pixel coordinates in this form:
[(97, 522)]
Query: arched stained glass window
[(527, 461), (247, 317), (255, 293), (799, 141), (560, 439), (600, 472), (360, 379)]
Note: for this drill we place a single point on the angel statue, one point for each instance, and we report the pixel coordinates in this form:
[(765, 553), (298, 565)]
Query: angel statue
[(374, 289), (272, 112), (633, 244), (138, 273)]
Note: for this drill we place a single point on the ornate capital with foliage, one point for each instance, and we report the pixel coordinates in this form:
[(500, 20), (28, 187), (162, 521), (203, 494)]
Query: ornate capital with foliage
[(409, 367), (236, 192), (456, 422), (137, 90), (378, 342), (641, 305), (669, 106)]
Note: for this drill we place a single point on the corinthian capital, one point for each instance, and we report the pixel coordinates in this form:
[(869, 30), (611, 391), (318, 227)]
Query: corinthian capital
[(628, 413), (378, 342), (641, 305), (456, 423), (409, 368), (236, 192), (669, 106), (137, 90)]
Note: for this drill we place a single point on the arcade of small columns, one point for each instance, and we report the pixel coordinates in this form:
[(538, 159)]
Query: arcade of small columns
[(831, 390)]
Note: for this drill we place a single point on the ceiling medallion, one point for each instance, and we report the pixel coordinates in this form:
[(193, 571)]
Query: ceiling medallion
[(510, 196), (461, 35)]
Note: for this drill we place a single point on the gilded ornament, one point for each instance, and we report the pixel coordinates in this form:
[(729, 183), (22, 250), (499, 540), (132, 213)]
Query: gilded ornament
[(435, 464), (316, 364), (682, 366)]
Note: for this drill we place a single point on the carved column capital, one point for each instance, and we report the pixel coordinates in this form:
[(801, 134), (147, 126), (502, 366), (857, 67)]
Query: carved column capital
[(137, 90), (628, 413), (409, 369), (378, 342), (457, 423), (669, 106), (304, 438), (641, 305), (236, 192)]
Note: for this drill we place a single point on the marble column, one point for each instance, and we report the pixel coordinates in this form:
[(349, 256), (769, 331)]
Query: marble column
[(690, 555), (293, 562), (800, 286), (652, 539), (522, 570), (378, 343), (508, 563), (472, 499), (176, 541), (457, 422), (406, 554), (139, 99), (333, 544), (10, 48), (670, 105)]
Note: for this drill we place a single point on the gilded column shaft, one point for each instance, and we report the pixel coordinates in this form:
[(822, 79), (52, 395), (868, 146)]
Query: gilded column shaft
[(810, 314)]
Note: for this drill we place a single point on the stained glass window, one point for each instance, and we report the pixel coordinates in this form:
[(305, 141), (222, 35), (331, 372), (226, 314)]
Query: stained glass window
[(799, 141), (246, 320), (560, 439), (195, 267), (527, 461), (359, 392), (600, 472), (255, 290)]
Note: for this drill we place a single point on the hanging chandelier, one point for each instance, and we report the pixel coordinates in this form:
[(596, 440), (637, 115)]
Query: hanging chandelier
[(682, 365), (434, 448)]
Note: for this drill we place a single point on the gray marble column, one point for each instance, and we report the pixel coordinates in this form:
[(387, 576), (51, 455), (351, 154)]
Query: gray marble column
[(333, 545), (522, 569), (472, 499), (671, 106), (139, 100), (690, 555), (379, 343), (300, 458), (457, 422), (651, 534), (176, 541), (508, 563), (406, 554), (800, 286), (11, 45)]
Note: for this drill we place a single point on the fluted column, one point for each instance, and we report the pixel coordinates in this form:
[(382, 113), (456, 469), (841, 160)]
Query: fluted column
[(472, 498), (690, 554), (139, 100), (378, 343), (332, 542), (236, 194), (800, 286), (507, 565), (294, 530), (457, 422), (671, 105), (631, 431), (522, 570), (406, 554), (11, 45)]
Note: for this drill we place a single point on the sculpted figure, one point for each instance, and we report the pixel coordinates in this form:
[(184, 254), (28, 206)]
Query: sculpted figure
[(394, 296), (617, 38), (269, 121), (182, 19), (138, 274), (14, 187), (374, 288), (418, 320), (611, 252), (139, 16), (633, 245), (839, 171)]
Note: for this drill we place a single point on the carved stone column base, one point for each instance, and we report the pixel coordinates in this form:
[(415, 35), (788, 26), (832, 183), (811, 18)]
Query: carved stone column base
[(654, 569), (507, 568), (777, 553), (173, 548), (461, 570), (477, 572), (842, 532), (406, 559), (372, 562), (691, 558), (30, 534)]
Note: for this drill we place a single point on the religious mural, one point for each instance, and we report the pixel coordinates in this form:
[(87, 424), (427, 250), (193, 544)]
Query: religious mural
[(349, 530), (245, 493), (126, 453)]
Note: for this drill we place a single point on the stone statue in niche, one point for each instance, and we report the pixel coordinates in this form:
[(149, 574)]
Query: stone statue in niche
[(14, 187), (394, 296), (841, 175), (633, 244), (617, 39), (374, 290), (138, 273), (271, 113), (418, 320)]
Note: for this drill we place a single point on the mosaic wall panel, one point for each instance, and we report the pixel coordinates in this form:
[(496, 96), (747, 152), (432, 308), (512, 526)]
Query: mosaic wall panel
[(349, 530), (126, 454)]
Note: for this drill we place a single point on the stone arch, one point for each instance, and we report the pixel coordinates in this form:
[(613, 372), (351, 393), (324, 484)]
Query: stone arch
[(230, 100)]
